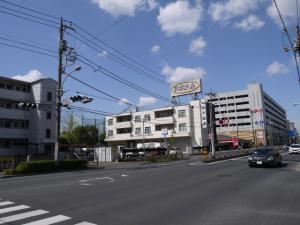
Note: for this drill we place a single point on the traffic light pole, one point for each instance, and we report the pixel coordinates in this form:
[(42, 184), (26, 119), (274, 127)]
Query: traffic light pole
[(59, 89)]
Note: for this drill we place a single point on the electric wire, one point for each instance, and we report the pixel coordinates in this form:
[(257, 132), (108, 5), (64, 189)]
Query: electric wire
[(106, 72), (289, 38)]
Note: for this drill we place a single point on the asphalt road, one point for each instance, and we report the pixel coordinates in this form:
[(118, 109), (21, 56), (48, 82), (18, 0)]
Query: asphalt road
[(181, 193)]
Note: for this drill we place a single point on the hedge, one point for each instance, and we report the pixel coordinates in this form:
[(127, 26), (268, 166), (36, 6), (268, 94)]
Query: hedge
[(41, 166)]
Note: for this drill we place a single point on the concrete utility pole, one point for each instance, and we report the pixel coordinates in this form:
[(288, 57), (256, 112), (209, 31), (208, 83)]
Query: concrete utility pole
[(211, 127), (59, 87)]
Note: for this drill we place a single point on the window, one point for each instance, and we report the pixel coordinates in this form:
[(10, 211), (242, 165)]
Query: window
[(8, 105), (2, 85), (138, 131), (181, 114), (7, 124), (48, 115), (110, 133), (241, 96), (1, 124), (110, 122), (182, 127), (48, 133), (9, 87), (147, 117), (138, 119), (49, 96), (16, 124), (147, 130)]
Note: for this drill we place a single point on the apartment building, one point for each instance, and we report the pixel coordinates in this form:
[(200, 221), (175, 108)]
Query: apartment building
[(186, 126), (27, 116), (250, 115)]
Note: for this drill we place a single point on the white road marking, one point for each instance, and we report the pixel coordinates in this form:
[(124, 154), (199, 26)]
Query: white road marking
[(97, 178), (50, 220), (22, 216), (6, 203), (85, 184), (124, 175), (85, 223), (15, 208)]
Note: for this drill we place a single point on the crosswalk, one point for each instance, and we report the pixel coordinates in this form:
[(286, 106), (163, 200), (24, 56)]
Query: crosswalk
[(11, 213)]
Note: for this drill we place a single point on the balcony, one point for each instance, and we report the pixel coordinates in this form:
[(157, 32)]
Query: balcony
[(126, 124), (164, 120), (119, 137), (13, 133), (16, 95), (12, 114)]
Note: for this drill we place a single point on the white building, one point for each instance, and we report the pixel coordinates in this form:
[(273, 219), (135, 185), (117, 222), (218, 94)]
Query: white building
[(31, 129), (251, 115), (186, 125)]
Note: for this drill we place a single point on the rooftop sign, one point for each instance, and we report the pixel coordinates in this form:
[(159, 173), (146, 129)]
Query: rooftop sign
[(186, 88)]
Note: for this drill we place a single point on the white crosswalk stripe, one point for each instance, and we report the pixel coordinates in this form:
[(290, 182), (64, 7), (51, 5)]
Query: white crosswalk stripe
[(6, 203), (85, 223), (22, 216), (50, 220), (14, 208), (27, 214)]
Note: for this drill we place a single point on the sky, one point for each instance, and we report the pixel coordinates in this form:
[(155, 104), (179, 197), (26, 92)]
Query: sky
[(226, 43)]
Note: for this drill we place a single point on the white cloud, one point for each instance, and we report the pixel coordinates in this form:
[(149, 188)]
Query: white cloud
[(226, 10), (277, 68), (155, 49), (125, 7), (103, 54), (145, 101), (287, 9), (197, 46), (179, 17), (31, 76), (123, 101), (252, 22), (182, 73)]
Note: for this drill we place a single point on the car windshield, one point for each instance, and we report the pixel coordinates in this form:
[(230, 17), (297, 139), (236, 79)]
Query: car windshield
[(295, 146), (263, 152)]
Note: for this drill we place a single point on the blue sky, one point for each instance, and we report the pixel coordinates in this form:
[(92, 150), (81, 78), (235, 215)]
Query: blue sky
[(227, 43)]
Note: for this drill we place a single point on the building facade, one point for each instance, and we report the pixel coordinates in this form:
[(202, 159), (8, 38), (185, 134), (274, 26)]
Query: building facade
[(250, 115), (186, 127), (27, 117)]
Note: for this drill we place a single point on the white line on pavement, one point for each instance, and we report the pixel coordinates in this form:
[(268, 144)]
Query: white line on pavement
[(50, 220), (85, 223), (15, 208), (97, 178), (6, 203), (22, 216)]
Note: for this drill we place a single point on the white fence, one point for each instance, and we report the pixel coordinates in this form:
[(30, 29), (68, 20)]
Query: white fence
[(103, 154)]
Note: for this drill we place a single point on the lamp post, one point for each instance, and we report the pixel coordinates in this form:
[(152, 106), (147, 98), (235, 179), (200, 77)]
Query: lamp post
[(58, 109)]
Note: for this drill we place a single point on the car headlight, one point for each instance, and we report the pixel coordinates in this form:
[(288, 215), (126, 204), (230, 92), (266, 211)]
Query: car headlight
[(250, 158), (270, 158)]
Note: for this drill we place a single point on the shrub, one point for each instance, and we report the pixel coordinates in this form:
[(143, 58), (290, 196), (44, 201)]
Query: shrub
[(41, 166)]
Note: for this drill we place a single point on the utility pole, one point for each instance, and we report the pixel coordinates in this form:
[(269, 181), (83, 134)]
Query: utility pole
[(144, 137), (211, 127), (59, 87)]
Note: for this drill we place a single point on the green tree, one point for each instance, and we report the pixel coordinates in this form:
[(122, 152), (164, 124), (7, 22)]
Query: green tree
[(85, 135)]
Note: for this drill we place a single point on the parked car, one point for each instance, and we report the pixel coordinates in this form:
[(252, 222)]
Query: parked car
[(266, 156), (295, 148), (285, 147)]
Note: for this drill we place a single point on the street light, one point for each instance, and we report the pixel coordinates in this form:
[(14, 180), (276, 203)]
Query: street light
[(77, 68)]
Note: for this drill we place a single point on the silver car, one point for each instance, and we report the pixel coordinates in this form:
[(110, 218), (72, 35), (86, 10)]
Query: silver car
[(294, 148)]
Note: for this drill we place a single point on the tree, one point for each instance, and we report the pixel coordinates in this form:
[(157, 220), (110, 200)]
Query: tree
[(85, 135), (70, 123), (102, 138)]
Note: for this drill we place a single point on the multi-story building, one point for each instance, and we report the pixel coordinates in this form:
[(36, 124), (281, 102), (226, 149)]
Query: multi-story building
[(250, 115), (27, 116), (186, 126)]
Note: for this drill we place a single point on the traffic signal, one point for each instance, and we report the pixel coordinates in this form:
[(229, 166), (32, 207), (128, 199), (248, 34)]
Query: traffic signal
[(81, 98), (27, 105)]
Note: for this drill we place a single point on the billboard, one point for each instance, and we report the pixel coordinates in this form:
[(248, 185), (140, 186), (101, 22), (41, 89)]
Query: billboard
[(186, 88)]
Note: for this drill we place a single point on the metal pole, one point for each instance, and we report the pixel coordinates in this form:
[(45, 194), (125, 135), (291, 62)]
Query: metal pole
[(253, 135), (59, 89), (144, 138), (212, 138)]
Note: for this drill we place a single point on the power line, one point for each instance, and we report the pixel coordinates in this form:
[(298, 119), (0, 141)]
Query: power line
[(12, 14), (116, 50), (29, 50), (36, 17), (114, 57), (32, 10), (96, 96), (96, 89), (118, 78)]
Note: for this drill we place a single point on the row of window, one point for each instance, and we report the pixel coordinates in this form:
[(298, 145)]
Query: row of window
[(12, 143), (275, 106), (138, 130), (233, 111), (230, 97), (22, 88), (147, 117), (15, 124)]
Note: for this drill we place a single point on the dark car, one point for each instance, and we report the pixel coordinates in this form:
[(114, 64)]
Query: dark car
[(267, 156)]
